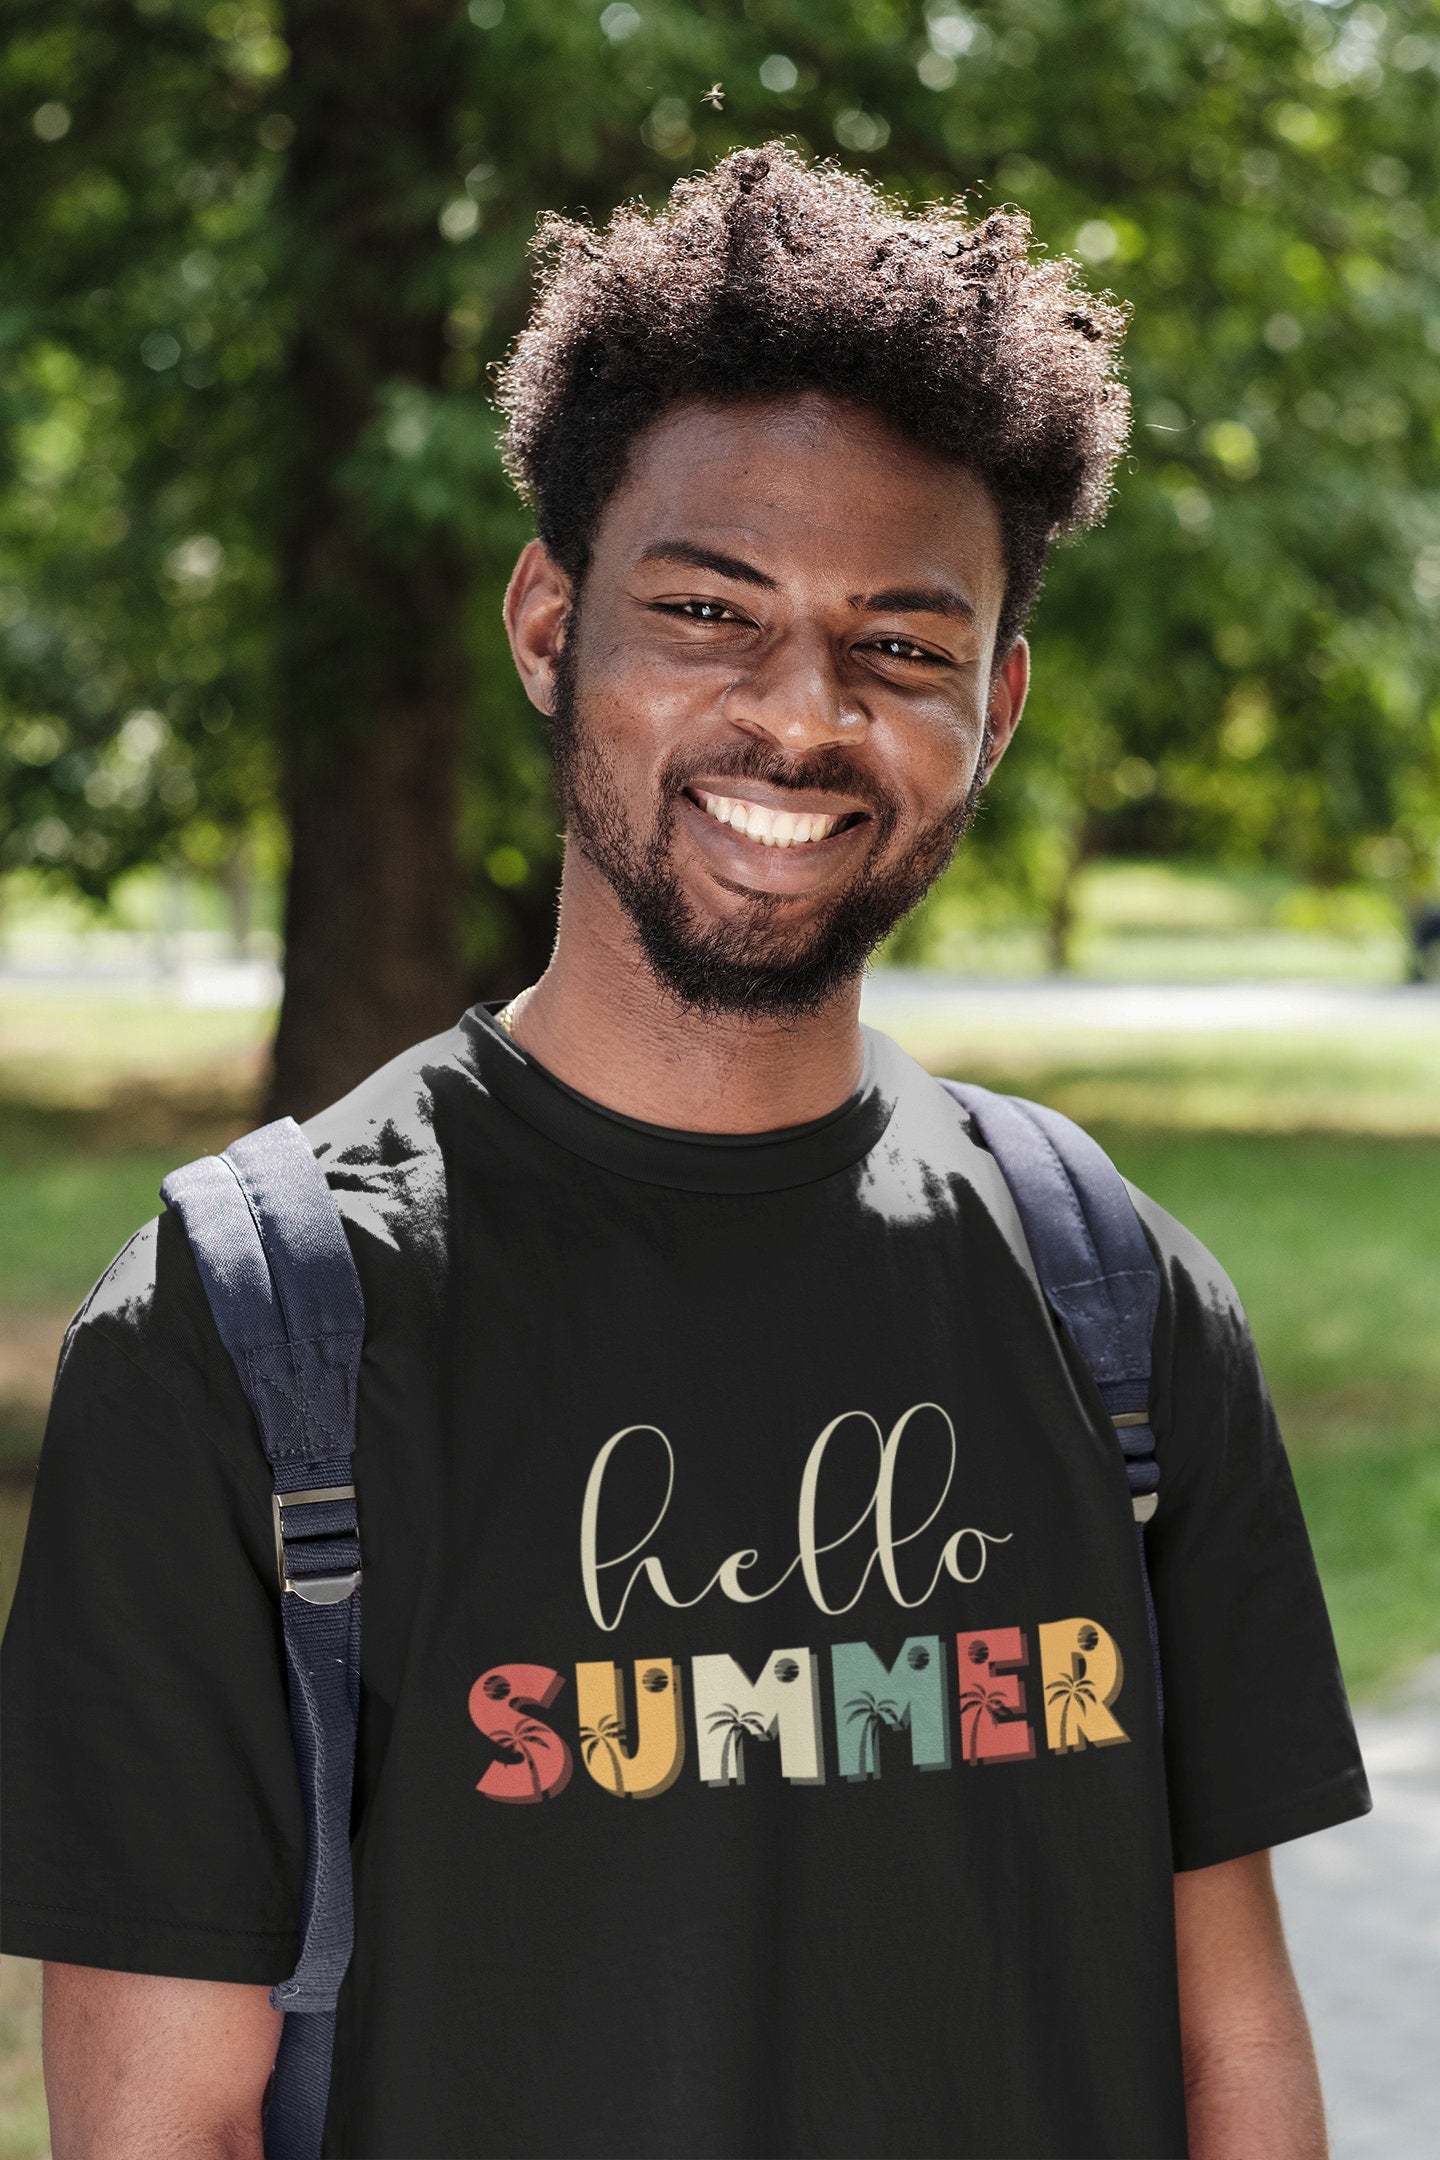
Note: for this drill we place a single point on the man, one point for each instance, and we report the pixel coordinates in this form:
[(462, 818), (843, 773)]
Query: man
[(759, 1749)]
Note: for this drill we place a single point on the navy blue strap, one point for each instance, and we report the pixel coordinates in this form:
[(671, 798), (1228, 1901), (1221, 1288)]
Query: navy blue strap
[(272, 1254), (1099, 1275)]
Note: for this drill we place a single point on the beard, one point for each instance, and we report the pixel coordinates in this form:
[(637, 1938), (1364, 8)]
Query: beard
[(758, 965)]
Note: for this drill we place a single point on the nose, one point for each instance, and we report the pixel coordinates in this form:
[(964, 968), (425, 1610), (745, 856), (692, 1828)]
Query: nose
[(795, 695)]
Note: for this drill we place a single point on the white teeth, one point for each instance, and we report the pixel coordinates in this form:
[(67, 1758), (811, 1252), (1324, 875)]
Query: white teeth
[(772, 828)]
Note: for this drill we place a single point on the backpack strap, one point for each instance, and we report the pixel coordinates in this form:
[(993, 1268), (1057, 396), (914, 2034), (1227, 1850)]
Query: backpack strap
[(1099, 1275), (272, 1254)]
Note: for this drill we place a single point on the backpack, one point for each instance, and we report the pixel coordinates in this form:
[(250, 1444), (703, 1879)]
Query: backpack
[(277, 1270)]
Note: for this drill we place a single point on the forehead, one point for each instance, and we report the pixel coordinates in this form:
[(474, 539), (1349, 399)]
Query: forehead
[(807, 486)]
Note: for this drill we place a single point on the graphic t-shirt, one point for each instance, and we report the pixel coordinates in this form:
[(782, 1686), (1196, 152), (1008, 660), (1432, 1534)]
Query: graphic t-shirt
[(759, 1753)]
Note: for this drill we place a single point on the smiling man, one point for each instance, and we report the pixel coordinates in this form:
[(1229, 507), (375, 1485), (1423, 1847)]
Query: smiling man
[(797, 713), (760, 1752)]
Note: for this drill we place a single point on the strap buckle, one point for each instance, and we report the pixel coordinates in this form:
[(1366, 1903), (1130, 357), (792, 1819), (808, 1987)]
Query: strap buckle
[(311, 1589), (1143, 1504)]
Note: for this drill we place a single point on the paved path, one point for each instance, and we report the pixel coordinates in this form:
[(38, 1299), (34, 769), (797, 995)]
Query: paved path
[(240, 983), (893, 995), (1362, 1911)]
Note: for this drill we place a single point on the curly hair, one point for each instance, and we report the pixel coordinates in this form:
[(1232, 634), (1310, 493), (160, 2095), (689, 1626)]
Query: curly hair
[(768, 276)]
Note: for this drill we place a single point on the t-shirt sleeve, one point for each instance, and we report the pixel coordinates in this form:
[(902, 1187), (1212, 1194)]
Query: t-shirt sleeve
[(152, 1811), (1259, 1742)]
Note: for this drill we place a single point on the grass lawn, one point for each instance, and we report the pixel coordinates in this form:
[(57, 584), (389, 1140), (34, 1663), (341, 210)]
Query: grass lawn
[(1334, 1245), (1274, 1080)]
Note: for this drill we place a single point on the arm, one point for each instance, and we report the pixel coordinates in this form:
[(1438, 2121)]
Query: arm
[(1252, 2090), (143, 2068)]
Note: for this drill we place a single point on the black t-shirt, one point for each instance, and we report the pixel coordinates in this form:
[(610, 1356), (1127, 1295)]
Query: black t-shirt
[(759, 1748)]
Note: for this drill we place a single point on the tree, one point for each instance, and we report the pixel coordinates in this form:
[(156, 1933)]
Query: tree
[(253, 532), (136, 357), (371, 671)]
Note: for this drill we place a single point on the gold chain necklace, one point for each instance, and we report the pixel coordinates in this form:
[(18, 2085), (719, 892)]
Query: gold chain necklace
[(508, 1014)]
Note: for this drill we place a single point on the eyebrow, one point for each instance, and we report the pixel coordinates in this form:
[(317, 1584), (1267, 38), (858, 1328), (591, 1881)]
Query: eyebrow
[(703, 558), (917, 600)]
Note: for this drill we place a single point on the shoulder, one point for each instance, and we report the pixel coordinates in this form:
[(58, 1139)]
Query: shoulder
[(381, 1148), (1211, 1407), (1203, 1348), (1199, 1300), (143, 1350)]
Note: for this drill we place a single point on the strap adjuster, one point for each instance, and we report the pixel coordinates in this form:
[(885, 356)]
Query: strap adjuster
[(311, 1589), (1143, 1504)]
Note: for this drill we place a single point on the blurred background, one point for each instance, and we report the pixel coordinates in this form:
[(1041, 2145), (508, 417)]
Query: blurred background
[(274, 806)]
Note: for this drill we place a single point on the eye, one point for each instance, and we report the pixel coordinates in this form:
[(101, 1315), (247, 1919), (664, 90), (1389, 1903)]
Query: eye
[(701, 611), (898, 648)]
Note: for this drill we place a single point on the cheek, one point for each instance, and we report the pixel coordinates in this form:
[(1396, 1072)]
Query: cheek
[(932, 758), (640, 707)]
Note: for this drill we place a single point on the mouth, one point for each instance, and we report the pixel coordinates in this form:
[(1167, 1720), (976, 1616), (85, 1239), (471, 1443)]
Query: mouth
[(769, 825)]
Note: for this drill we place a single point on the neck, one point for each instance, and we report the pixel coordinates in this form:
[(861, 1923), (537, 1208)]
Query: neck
[(600, 1021)]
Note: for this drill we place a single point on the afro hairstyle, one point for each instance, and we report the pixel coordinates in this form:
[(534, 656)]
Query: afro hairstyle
[(769, 276)]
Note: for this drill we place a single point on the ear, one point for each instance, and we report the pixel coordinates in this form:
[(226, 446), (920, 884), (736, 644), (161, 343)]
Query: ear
[(537, 608), (1007, 700)]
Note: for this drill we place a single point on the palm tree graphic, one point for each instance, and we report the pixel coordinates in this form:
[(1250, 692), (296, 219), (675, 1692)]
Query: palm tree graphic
[(527, 1739), (735, 1724), (606, 1732), (984, 1703), (880, 1716), (1070, 1689)]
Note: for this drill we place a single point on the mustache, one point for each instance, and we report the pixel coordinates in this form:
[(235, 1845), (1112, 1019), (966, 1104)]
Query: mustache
[(831, 770)]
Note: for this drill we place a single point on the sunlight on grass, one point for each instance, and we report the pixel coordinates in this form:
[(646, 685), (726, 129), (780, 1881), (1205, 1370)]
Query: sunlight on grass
[(24, 2131), (70, 1050), (1233, 1081)]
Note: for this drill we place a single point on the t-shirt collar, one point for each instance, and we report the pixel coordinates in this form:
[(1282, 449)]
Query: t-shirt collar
[(665, 1155)]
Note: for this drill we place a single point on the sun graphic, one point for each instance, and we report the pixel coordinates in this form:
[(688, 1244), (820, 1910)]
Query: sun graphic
[(917, 1657), (655, 1680), (1087, 1638), (979, 1653), (497, 1687), (786, 1669)]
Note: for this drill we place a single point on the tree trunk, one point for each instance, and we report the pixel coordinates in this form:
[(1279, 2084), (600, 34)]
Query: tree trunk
[(1060, 924), (371, 938), (371, 685)]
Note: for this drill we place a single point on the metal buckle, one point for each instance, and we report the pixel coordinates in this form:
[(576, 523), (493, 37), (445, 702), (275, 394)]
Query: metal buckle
[(1144, 1504), (311, 1589)]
